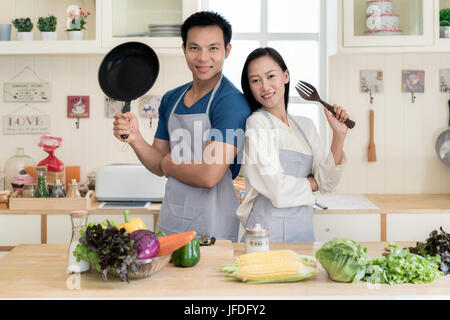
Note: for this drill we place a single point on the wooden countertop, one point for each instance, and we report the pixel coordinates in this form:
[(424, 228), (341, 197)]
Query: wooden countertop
[(39, 271)]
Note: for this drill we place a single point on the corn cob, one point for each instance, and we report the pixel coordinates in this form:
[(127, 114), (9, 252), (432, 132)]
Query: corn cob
[(271, 266)]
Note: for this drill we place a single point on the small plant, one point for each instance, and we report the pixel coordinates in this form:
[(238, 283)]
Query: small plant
[(47, 24), (444, 17), (76, 18), (23, 24)]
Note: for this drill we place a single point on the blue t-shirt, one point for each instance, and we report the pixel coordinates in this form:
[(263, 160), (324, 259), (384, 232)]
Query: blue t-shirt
[(229, 110)]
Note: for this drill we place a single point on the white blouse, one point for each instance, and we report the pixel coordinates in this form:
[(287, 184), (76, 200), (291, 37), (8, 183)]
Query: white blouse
[(263, 171)]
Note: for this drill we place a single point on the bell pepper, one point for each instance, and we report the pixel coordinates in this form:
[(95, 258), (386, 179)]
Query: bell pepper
[(131, 225), (188, 255)]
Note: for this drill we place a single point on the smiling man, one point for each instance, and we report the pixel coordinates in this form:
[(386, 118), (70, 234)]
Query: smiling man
[(199, 136)]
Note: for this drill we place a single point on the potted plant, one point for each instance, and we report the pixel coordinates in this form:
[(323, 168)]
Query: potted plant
[(444, 20), (47, 26), (76, 20), (24, 27)]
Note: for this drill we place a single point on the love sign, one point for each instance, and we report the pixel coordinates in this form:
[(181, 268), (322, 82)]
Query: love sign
[(26, 124)]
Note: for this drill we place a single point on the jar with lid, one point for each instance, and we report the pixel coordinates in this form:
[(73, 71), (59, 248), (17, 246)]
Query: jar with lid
[(257, 239), (58, 190), (91, 177), (79, 221), (41, 187), (14, 165), (72, 190)]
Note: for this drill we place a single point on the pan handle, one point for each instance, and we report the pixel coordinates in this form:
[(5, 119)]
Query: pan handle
[(125, 108)]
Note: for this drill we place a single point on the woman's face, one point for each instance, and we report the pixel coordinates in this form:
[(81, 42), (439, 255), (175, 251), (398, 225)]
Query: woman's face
[(267, 80)]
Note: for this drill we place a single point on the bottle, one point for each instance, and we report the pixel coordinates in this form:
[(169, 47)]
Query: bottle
[(257, 239), (57, 190), (79, 221), (41, 187), (14, 165), (72, 190)]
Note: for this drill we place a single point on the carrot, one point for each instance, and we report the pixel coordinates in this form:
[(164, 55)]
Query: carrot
[(169, 244)]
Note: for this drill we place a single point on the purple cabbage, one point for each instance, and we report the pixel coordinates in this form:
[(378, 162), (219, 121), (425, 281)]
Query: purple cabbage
[(145, 243)]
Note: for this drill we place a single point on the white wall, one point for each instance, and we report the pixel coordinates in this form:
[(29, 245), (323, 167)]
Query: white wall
[(405, 132)]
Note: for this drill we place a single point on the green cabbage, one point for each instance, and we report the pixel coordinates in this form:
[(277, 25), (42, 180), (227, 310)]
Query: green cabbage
[(343, 259)]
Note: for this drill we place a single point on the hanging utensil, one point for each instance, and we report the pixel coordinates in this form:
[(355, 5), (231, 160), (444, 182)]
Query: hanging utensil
[(443, 144), (127, 72), (308, 92), (371, 153)]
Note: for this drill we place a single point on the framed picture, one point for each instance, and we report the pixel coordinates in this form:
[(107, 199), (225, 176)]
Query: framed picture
[(371, 80), (149, 106), (78, 106), (413, 81), (444, 80), (112, 107)]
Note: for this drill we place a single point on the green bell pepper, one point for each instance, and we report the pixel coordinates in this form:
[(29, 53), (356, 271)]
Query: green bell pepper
[(188, 255)]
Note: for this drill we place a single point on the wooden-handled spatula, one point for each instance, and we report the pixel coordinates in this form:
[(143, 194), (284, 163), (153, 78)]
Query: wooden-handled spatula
[(371, 153)]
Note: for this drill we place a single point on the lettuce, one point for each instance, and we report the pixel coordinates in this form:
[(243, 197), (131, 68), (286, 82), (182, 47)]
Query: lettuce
[(343, 259)]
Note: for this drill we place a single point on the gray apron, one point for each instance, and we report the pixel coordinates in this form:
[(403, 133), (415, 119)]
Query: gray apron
[(210, 211), (286, 224)]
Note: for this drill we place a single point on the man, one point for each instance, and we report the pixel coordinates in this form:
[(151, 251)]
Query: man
[(200, 133)]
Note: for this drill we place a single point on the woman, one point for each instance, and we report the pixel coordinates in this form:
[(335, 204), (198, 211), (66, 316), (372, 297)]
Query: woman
[(283, 162)]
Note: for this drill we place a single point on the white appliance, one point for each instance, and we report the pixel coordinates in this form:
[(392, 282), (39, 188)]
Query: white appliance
[(128, 182)]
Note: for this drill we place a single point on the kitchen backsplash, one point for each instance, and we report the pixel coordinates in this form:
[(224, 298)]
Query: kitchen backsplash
[(93, 144), (405, 132)]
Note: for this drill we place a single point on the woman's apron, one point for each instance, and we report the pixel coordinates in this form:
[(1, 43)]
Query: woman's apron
[(293, 224), (210, 211)]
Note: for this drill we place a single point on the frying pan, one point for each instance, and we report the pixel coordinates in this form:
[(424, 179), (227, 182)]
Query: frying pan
[(443, 144), (127, 72)]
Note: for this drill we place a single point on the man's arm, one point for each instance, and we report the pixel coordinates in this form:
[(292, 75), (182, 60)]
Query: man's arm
[(151, 155), (217, 157)]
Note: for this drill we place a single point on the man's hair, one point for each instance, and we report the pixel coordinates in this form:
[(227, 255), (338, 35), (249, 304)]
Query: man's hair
[(205, 19)]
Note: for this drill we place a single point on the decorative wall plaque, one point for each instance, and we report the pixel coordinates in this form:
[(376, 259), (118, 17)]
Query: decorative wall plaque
[(26, 92), (26, 124), (78, 106)]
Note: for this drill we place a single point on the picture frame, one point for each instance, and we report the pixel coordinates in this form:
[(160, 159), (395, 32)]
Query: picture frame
[(371, 80), (413, 81), (112, 107), (78, 106)]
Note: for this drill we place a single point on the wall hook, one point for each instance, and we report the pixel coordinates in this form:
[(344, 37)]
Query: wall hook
[(77, 123), (370, 95), (413, 97)]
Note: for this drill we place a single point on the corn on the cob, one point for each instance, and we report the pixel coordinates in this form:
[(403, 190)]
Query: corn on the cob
[(271, 266), (266, 257)]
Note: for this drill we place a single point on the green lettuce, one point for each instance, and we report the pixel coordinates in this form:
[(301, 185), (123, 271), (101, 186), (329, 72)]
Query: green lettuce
[(401, 266), (344, 260)]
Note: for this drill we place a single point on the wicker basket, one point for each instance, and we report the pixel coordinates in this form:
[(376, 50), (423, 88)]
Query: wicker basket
[(149, 267)]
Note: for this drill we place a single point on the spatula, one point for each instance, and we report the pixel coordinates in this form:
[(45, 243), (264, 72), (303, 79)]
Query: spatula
[(371, 153)]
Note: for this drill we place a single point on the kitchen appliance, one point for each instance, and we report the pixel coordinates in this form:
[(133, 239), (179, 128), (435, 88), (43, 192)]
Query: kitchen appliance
[(127, 72), (128, 183), (443, 144), (308, 92)]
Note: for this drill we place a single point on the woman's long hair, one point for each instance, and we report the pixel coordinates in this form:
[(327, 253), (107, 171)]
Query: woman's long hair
[(257, 53)]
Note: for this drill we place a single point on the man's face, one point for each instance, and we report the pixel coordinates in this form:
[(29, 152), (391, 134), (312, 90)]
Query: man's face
[(205, 51)]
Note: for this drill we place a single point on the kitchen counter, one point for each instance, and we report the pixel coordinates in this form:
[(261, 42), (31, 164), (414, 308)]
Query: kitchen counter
[(39, 271)]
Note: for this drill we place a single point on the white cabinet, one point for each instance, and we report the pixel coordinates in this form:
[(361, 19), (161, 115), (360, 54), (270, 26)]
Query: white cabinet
[(414, 227), (148, 21), (358, 227), (418, 21)]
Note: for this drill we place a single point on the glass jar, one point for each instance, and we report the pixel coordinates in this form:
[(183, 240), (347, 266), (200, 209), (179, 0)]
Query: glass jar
[(29, 190), (83, 189), (91, 177), (41, 187), (79, 221), (257, 239), (72, 190), (58, 190), (2, 181), (14, 165)]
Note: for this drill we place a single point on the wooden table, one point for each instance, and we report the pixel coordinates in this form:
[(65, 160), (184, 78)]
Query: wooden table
[(38, 271)]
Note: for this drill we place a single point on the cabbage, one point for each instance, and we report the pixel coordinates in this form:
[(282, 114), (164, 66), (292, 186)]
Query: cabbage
[(145, 243), (343, 259)]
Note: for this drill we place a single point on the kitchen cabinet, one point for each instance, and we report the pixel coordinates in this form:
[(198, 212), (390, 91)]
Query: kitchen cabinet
[(111, 22), (414, 227), (131, 20), (418, 20), (358, 227)]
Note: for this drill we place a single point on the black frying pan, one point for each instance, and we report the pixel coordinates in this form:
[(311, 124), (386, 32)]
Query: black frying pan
[(127, 72), (443, 144)]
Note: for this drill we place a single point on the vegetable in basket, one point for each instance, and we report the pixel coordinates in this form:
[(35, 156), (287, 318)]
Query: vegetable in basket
[(145, 243), (131, 225)]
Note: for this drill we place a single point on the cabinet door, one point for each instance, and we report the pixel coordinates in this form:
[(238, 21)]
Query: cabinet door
[(387, 24), (358, 227), (415, 227), (155, 22)]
